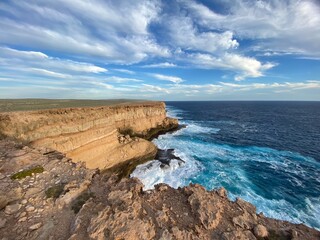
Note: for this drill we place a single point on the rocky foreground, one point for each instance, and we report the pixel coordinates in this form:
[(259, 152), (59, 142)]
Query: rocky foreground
[(43, 195)]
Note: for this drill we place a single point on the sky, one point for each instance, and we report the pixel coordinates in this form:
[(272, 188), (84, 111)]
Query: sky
[(160, 49)]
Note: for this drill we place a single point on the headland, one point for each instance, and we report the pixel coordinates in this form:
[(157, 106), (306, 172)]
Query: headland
[(53, 186)]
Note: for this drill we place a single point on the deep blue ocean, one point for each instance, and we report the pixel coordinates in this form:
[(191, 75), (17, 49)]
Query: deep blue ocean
[(267, 153)]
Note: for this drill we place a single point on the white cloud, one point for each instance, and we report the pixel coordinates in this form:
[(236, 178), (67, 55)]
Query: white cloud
[(282, 26), (121, 79), (160, 65), (184, 34), (49, 73), (68, 43), (230, 90), (153, 89), (28, 60), (115, 31), (173, 79), (244, 67), (124, 71), (288, 86)]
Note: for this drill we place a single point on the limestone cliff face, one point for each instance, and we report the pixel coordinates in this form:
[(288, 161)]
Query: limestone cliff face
[(92, 135)]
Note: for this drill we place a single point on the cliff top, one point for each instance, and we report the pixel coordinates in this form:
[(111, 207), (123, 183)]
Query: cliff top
[(12, 105)]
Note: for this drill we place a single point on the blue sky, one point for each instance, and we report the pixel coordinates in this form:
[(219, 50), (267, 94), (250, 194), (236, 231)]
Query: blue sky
[(160, 50)]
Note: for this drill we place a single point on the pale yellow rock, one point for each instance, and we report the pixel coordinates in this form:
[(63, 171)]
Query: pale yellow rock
[(13, 208), (260, 231), (35, 226), (91, 134)]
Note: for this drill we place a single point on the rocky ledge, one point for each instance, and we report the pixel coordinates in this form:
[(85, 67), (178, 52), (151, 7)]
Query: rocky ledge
[(43, 195)]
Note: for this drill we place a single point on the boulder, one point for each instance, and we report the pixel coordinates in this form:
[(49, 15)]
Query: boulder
[(260, 231), (13, 208)]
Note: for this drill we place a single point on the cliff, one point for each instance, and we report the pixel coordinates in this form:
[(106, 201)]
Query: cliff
[(101, 137), (43, 195), (51, 194)]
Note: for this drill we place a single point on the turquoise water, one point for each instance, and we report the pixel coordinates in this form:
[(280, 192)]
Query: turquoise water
[(283, 184)]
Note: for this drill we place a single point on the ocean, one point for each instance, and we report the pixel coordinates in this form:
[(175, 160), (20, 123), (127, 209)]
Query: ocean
[(267, 153)]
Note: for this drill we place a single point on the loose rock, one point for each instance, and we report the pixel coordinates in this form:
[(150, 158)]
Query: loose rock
[(30, 208), (222, 192), (35, 226), (11, 209), (260, 231), (23, 219)]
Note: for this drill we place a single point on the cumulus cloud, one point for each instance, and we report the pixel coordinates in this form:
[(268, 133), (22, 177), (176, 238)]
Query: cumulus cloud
[(67, 44), (283, 26), (184, 34), (244, 67)]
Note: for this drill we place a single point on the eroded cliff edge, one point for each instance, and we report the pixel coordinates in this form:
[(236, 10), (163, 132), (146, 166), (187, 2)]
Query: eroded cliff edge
[(102, 137), (43, 195)]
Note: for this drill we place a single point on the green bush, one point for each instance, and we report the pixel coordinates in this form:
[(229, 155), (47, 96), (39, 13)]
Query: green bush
[(55, 191), (26, 173)]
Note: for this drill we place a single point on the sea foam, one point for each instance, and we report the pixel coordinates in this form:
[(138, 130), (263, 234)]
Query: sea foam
[(276, 182)]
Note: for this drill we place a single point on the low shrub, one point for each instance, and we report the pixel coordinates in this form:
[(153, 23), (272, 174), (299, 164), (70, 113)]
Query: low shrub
[(26, 173)]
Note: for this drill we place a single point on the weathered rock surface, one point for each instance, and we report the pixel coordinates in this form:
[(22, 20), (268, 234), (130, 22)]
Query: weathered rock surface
[(73, 202), (92, 135)]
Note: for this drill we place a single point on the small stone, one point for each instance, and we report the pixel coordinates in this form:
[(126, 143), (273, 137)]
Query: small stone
[(2, 176), (22, 214), (222, 192), (260, 231), (3, 201), (30, 208), (23, 219), (35, 226), (11, 209), (162, 187), (294, 233), (2, 222), (24, 202)]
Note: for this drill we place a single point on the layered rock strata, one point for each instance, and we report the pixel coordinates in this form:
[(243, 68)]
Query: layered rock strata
[(100, 136)]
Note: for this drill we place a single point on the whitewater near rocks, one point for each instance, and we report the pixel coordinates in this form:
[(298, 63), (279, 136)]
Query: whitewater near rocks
[(282, 184), (68, 201)]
